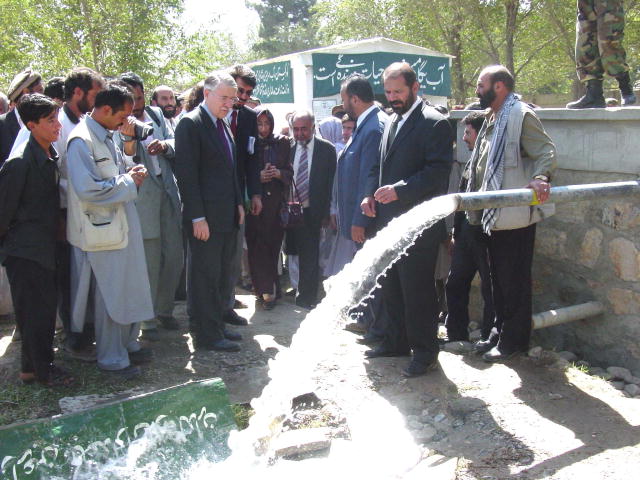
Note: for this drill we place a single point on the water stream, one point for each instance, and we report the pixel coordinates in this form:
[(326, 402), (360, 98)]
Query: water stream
[(379, 446)]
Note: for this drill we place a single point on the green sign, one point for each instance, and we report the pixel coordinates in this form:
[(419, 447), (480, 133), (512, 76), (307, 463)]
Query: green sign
[(275, 84), (330, 69)]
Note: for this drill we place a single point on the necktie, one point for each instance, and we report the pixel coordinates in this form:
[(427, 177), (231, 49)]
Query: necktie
[(392, 131), (223, 138), (108, 140), (302, 178), (234, 123)]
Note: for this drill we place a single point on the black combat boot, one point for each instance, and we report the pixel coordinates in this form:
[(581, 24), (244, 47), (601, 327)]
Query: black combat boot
[(626, 89), (593, 98)]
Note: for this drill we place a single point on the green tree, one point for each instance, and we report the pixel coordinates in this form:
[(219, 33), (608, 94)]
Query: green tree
[(286, 26)]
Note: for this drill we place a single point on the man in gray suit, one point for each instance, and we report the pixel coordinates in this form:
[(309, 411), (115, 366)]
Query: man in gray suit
[(158, 206)]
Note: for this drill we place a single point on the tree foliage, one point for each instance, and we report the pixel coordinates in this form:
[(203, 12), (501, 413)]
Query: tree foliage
[(286, 26)]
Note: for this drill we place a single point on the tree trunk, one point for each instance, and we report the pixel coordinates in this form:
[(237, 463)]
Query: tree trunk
[(511, 10)]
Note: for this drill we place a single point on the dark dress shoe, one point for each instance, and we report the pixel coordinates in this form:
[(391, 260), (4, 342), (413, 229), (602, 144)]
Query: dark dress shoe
[(238, 304), (417, 368), (495, 355), (231, 335), (483, 346), (384, 351), (150, 334), (232, 318), (169, 323), (126, 373), (144, 355)]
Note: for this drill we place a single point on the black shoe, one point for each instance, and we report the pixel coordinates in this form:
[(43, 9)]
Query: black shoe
[(150, 334), (169, 323), (232, 318), (238, 304), (483, 346), (231, 335), (417, 368), (495, 355), (626, 89), (126, 373), (593, 97), (142, 356), (442, 341), (223, 345), (305, 305), (384, 351)]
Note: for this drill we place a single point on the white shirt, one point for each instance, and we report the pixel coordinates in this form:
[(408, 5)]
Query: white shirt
[(296, 163), (61, 147), (406, 115), (364, 114)]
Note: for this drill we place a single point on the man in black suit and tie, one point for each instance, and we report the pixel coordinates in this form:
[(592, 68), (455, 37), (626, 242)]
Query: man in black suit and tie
[(244, 127), (25, 82), (314, 165), (415, 160), (212, 209)]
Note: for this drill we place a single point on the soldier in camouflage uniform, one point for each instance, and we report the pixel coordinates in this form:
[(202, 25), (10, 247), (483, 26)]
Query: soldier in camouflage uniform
[(600, 30)]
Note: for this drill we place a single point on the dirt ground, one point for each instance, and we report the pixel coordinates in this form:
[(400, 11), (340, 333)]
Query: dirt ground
[(526, 419)]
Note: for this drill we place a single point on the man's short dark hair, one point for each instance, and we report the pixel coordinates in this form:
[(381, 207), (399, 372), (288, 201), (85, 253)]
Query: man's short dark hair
[(245, 74), (55, 88), (358, 85), (500, 73), (400, 69), (132, 80), (475, 119), (81, 77), (116, 95), (34, 106)]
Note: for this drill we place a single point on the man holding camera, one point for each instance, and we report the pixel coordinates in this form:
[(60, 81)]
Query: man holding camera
[(109, 279), (158, 205)]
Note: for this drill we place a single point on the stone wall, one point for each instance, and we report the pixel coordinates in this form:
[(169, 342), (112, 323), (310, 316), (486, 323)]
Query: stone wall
[(590, 250)]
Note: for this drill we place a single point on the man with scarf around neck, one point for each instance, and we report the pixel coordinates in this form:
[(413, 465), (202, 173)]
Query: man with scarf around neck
[(512, 151)]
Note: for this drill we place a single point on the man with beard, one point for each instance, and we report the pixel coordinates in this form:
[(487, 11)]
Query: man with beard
[(164, 98), (414, 164), (80, 89), (158, 206), (244, 127), (25, 82), (512, 151)]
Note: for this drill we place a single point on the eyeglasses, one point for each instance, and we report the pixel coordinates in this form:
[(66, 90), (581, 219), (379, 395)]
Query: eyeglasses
[(225, 98), (242, 91)]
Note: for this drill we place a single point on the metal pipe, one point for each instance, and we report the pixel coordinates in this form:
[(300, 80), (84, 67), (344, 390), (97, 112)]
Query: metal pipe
[(566, 314), (525, 196)]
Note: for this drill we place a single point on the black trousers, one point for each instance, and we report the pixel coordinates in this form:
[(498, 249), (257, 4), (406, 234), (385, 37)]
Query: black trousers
[(33, 290), (510, 258), (409, 296), (470, 255), (208, 278), (306, 242)]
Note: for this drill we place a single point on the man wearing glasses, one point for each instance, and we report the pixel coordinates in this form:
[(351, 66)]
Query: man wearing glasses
[(206, 165), (244, 127)]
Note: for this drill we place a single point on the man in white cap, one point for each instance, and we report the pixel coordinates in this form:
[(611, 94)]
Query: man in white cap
[(25, 82)]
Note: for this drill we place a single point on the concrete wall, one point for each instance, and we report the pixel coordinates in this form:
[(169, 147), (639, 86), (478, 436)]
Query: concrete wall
[(590, 250)]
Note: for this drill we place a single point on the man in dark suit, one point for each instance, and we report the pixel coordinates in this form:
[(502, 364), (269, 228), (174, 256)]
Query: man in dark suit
[(25, 82), (314, 165), (415, 160), (212, 209), (244, 126)]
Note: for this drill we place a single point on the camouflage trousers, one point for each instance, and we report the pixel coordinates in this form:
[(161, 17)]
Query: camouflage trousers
[(599, 34)]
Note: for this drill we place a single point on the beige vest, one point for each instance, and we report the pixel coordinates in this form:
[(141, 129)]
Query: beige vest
[(518, 172), (92, 227)]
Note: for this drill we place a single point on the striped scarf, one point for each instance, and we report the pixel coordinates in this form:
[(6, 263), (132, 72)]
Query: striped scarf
[(494, 172)]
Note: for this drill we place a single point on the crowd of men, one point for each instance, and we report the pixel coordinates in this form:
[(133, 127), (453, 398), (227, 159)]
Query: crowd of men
[(101, 196)]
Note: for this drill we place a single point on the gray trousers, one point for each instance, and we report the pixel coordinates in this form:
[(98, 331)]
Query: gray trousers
[(164, 257), (114, 341)]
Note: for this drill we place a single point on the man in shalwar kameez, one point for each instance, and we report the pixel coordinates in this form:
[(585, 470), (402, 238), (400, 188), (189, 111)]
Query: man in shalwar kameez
[(109, 281)]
